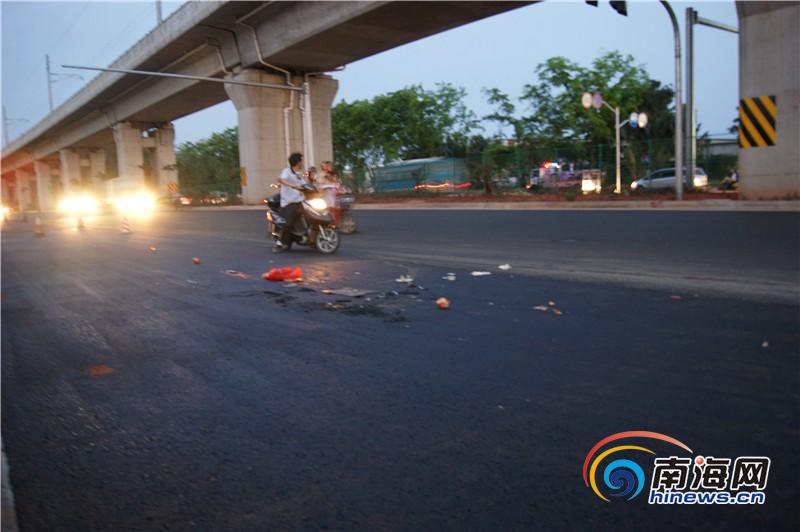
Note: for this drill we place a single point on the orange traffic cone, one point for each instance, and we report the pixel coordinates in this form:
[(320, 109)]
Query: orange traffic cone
[(125, 228), (38, 228)]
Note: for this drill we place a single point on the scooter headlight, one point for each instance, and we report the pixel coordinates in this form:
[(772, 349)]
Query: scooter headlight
[(318, 204)]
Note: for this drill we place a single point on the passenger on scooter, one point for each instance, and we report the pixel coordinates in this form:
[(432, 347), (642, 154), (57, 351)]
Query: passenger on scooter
[(328, 183), (292, 198)]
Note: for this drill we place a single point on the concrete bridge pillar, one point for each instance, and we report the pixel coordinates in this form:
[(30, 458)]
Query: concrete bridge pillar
[(130, 159), (166, 170), (70, 171), (26, 183), (8, 188), (769, 67), (271, 127), (97, 172), (44, 184)]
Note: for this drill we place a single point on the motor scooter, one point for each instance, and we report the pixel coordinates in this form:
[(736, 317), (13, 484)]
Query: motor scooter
[(316, 227)]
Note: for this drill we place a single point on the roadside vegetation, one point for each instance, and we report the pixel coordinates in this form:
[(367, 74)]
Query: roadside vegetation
[(546, 122)]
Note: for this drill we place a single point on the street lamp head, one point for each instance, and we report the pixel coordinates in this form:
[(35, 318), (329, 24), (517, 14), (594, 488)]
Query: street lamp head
[(597, 100), (586, 100), (642, 121)]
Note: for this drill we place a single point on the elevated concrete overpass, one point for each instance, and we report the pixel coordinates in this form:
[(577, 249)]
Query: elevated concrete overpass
[(128, 117), (116, 133)]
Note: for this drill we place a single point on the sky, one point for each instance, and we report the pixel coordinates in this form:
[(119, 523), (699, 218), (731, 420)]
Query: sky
[(502, 51)]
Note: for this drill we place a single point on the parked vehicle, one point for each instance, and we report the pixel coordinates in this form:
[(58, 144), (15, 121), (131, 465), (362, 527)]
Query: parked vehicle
[(318, 229), (665, 178)]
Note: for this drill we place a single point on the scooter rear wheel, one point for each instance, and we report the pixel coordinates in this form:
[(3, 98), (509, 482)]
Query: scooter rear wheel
[(347, 225)]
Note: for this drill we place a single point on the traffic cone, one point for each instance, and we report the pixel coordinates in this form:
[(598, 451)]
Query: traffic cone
[(125, 228), (38, 228), (81, 225)]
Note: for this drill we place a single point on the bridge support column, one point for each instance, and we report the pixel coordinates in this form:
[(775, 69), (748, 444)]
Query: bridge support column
[(26, 183), (130, 159), (271, 127), (769, 66), (97, 171), (9, 184), (44, 182), (323, 91), (165, 158), (70, 171)]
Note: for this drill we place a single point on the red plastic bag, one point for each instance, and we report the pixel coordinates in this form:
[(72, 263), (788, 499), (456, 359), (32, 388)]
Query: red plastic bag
[(283, 274)]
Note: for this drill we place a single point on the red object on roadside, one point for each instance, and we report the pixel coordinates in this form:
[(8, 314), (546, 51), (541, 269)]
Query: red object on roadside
[(196, 260), (443, 303), (283, 274)]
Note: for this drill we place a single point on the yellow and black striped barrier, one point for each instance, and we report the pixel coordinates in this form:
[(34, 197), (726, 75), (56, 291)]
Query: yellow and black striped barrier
[(757, 122)]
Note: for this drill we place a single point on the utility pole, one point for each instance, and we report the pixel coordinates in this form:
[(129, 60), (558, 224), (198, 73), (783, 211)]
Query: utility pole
[(6, 123), (52, 78), (49, 83), (693, 18), (678, 104), (158, 12)]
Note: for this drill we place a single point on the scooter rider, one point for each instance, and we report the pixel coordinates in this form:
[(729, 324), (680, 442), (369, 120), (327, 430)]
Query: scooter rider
[(292, 197)]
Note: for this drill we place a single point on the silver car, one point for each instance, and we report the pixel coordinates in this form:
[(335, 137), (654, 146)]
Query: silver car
[(665, 178)]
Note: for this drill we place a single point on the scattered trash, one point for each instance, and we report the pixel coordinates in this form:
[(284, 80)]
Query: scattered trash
[(190, 281), (443, 303), (350, 292), (501, 407), (491, 304), (283, 274), (505, 267), (675, 297), (480, 274), (357, 273), (449, 277), (234, 273), (765, 344), (196, 260), (551, 306), (404, 279), (153, 248), (99, 371)]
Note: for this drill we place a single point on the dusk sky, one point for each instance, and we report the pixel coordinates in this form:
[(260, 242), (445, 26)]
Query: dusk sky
[(502, 52)]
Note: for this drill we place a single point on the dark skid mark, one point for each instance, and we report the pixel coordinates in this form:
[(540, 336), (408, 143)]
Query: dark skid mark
[(350, 308)]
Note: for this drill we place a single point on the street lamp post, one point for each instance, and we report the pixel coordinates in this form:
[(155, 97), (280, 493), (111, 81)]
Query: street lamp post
[(636, 119)]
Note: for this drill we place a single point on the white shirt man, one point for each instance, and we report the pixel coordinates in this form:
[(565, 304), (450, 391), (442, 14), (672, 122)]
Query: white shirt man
[(291, 200)]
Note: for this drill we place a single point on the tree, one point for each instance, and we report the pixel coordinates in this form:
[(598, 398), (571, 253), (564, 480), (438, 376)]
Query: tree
[(406, 124), (210, 164), (555, 115)]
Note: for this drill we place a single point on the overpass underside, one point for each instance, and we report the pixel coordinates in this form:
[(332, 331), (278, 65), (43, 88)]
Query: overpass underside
[(116, 134)]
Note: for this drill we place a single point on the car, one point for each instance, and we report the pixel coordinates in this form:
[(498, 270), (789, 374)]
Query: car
[(665, 178)]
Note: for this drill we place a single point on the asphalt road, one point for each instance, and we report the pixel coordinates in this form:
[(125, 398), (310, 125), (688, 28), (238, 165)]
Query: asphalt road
[(231, 403)]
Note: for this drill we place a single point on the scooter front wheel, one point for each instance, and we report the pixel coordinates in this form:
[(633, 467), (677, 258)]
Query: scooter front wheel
[(327, 240)]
